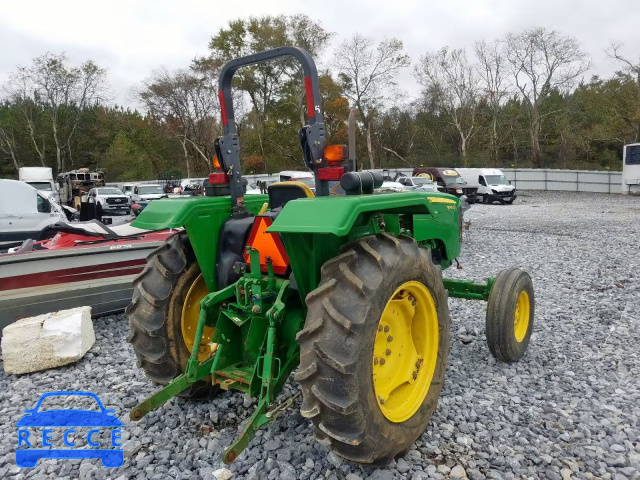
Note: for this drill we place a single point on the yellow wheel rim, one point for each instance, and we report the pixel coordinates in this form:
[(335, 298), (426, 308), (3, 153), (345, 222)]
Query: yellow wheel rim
[(521, 317), (405, 351), (190, 315)]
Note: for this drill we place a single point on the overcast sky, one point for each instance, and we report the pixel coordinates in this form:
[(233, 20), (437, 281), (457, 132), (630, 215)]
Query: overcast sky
[(131, 38)]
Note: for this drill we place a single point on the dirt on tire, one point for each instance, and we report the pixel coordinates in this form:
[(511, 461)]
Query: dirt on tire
[(336, 343), (155, 314)]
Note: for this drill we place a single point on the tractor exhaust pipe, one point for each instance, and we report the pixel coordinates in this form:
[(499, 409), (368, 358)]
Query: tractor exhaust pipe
[(352, 140)]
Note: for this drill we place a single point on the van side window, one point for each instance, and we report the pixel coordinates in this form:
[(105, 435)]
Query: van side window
[(481, 181), (43, 205)]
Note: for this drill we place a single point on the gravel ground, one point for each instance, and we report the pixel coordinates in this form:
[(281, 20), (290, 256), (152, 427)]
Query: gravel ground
[(569, 409)]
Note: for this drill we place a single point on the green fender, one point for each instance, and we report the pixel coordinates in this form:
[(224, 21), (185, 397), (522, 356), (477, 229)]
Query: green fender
[(202, 218), (314, 229)]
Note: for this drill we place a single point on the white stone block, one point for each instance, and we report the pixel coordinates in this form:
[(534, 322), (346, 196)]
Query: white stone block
[(47, 341)]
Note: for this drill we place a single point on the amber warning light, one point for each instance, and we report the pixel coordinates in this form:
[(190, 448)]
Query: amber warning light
[(335, 154)]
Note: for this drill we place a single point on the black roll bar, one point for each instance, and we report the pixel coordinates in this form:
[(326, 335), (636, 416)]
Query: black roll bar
[(227, 147)]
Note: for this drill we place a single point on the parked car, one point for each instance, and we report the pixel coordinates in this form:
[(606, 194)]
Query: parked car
[(294, 176), (110, 200), (26, 213), (491, 183), (143, 194), (448, 180), (127, 188), (418, 183), (392, 187)]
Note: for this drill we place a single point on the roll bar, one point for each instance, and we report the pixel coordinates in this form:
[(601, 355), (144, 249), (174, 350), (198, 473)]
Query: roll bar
[(227, 146)]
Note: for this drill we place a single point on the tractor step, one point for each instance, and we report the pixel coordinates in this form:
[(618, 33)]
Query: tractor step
[(236, 376)]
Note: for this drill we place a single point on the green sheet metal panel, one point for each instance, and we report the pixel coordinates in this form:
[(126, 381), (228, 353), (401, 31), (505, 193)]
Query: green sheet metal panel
[(337, 214)]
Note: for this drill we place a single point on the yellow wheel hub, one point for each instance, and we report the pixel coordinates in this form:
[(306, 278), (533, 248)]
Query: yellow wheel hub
[(521, 317), (405, 351), (190, 315)]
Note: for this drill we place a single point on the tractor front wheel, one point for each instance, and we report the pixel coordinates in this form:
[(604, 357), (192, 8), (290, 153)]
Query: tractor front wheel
[(374, 348), (164, 311), (510, 312)]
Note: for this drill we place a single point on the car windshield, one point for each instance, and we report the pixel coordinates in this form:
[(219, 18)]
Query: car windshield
[(454, 180), (110, 191), (65, 402), (147, 189), (41, 185), (422, 181), (497, 180)]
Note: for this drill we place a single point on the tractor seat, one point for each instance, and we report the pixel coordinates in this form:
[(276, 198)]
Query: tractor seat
[(282, 192)]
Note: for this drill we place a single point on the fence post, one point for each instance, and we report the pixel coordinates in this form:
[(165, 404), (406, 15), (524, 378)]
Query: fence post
[(546, 188), (577, 180), (609, 181)]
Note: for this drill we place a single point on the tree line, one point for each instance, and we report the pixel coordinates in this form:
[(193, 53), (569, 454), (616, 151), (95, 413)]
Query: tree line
[(524, 100)]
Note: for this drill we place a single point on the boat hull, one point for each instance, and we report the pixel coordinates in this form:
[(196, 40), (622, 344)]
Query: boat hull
[(46, 281)]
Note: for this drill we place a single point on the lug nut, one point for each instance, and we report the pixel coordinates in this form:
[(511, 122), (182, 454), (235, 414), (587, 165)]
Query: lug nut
[(388, 352), (389, 339), (381, 400), (379, 328), (375, 361), (386, 328), (415, 374), (382, 361)]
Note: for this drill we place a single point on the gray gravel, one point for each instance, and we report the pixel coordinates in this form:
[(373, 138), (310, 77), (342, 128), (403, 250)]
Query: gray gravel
[(569, 409)]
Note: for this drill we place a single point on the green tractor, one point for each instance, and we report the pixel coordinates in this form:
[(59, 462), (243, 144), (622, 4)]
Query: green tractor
[(347, 289)]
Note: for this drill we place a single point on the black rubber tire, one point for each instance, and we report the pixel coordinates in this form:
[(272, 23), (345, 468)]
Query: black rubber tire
[(336, 347), (501, 309), (485, 199), (508, 202), (155, 314)]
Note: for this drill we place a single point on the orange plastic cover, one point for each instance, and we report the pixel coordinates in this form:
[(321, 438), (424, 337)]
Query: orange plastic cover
[(269, 245), (334, 153)]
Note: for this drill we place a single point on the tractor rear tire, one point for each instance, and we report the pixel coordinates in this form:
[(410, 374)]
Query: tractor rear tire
[(340, 351), (510, 313), (155, 314)]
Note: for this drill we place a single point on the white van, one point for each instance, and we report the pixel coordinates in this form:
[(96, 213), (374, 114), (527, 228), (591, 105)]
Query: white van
[(492, 184), (40, 178), (25, 213)]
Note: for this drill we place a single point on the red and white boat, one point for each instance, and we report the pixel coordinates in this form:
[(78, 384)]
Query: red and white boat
[(83, 264)]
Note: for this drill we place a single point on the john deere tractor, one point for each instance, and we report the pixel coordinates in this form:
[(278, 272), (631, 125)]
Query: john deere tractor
[(346, 290)]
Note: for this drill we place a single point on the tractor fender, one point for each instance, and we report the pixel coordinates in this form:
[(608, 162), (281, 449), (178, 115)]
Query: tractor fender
[(202, 218), (435, 215), (337, 214)]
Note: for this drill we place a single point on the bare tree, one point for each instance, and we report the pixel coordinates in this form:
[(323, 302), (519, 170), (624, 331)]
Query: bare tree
[(451, 83), (542, 61), (186, 102), (366, 71), (20, 91), (9, 147), (632, 69), (492, 71), (62, 92)]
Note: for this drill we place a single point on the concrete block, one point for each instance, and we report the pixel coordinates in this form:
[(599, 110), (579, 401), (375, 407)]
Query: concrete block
[(47, 341)]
